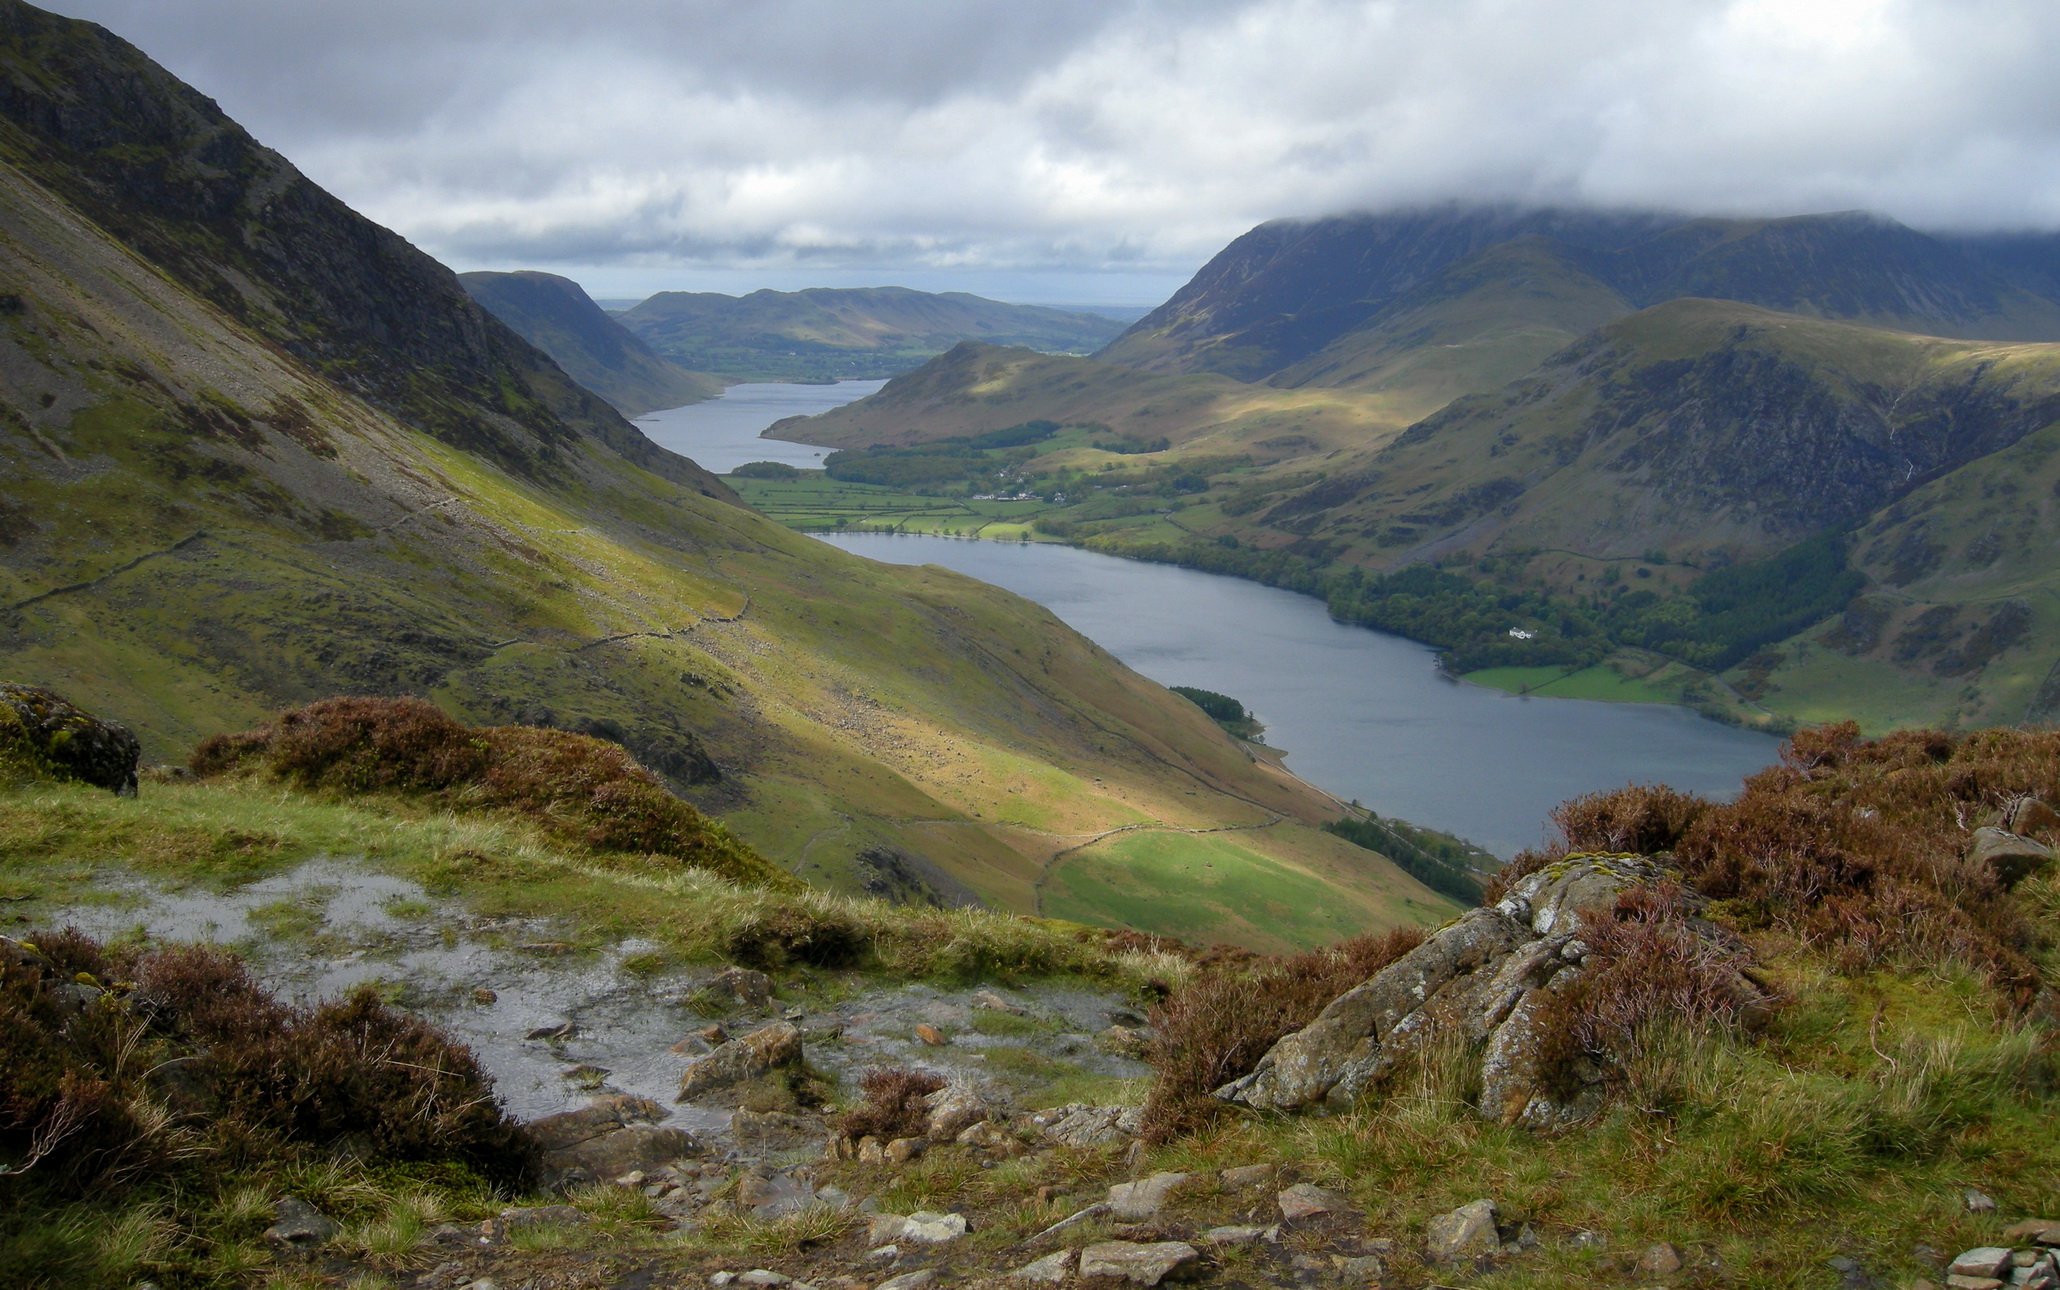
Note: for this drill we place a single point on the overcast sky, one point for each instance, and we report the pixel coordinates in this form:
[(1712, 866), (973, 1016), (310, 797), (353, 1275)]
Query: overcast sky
[(1098, 150)]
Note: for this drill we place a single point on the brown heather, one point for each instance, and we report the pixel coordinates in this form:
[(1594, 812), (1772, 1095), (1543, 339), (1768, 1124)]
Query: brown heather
[(1853, 846), (586, 791), (892, 1105)]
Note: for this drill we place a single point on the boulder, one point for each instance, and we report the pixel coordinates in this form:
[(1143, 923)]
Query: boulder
[(1078, 1125), (1133, 1202), (1145, 1265), (2010, 856), (1484, 979), (44, 732), (1049, 1270), (1466, 1233), (952, 1109), (299, 1226), (607, 1138), (743, 987), (769, 1050), (1303, 1201), (2029, 817), (920, 1228)]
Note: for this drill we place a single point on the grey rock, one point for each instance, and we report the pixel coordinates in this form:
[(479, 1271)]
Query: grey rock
[(1145, 1265), (1983, 1261), (1049, 1270), (1132, 1201), (1071, 1220), (743, 987), (721, 1279), (1485, 979), (763, 1277), (1466, 1233), (1242, 1176), (953, 1109), (1096, 1126), (1365, 1270), (1303, 1201), (1979, 1202), (608, 1138), (1233, 1236), (908, 1280), (1660, 1260), (768, 1049), (927, 1228), (2010, 856), (299, 1225)]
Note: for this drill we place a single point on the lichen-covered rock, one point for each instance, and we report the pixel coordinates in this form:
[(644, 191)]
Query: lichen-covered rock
[(763, 1052), (46, 733), (1078, 1125), (1466, 1233), (1486, 978), (2010, 856)]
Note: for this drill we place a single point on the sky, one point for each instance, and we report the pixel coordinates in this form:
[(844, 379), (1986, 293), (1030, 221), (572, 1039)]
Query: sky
[(1099, 151)]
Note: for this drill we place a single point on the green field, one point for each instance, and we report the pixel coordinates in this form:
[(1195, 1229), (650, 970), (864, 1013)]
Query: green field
[(1198, 886), (817, 504)]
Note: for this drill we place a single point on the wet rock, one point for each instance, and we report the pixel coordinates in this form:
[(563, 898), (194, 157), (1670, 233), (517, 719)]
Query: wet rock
[(1303, 1201), (1466, 1233), (2010, 856), (562, 1030), (1660, 1260), (1145, 1265), (1132, 1201), (45, 730), (1242, 1176), (299, 1225), (775, 1197), (1049, 1270), (764, 1052), (607, 1138), (1484, 979)]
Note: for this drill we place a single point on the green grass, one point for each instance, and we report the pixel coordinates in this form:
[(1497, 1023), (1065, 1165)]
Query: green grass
[(815, 504), (1199, 888)]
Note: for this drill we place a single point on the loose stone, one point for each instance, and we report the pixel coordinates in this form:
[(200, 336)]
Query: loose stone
[(1144, 1265)]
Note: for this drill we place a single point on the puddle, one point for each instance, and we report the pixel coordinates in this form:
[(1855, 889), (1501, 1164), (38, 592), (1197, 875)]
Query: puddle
[(328, 925)]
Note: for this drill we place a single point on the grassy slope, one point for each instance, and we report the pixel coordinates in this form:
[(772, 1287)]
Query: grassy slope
[(841, 697)]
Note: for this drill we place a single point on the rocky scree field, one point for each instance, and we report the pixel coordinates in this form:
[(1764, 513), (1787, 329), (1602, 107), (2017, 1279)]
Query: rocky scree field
[(1801, 1038)]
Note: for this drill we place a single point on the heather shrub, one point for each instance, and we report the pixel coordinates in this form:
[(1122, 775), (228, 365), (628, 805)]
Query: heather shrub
[(1218, 1025), (118, 1063), (586, 791), (891, 1105)]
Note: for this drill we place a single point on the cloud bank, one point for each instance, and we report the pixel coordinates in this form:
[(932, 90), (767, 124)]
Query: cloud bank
[(647, 139)]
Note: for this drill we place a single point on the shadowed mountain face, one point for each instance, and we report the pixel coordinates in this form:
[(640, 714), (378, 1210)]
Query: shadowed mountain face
[(1278, 297), (849, 334), (555, 315), (256, 450)]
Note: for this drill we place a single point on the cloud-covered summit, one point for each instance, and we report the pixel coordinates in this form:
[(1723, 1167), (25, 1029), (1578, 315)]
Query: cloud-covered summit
[(652, 137)]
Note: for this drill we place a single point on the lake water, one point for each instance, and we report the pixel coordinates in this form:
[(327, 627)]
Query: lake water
[(1362, 714), (722, 434)]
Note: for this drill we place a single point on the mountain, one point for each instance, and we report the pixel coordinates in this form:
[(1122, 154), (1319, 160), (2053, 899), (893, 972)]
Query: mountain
[(844, 334), (555, 315), (256, 450), (1277, 297)]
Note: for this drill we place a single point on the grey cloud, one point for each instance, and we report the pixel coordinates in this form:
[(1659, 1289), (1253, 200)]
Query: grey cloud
[(1126, 136)]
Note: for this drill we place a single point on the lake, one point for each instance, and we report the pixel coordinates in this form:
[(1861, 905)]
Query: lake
[(1362, 714), (722, 434)]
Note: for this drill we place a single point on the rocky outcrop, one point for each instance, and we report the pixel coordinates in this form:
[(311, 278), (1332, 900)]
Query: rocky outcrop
[(2012, 857), (49, 733), (1485, 979)]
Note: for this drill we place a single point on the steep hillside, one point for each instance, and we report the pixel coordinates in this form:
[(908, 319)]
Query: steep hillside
[(214, 504), (844, 334), (555, 315), (1278, 296)]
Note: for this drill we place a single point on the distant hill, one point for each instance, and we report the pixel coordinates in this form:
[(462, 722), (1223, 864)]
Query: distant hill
[(1284, 302), (845, 334), (555, 315)]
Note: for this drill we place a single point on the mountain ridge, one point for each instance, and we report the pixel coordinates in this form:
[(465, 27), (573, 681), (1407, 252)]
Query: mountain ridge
[(556, 315)]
